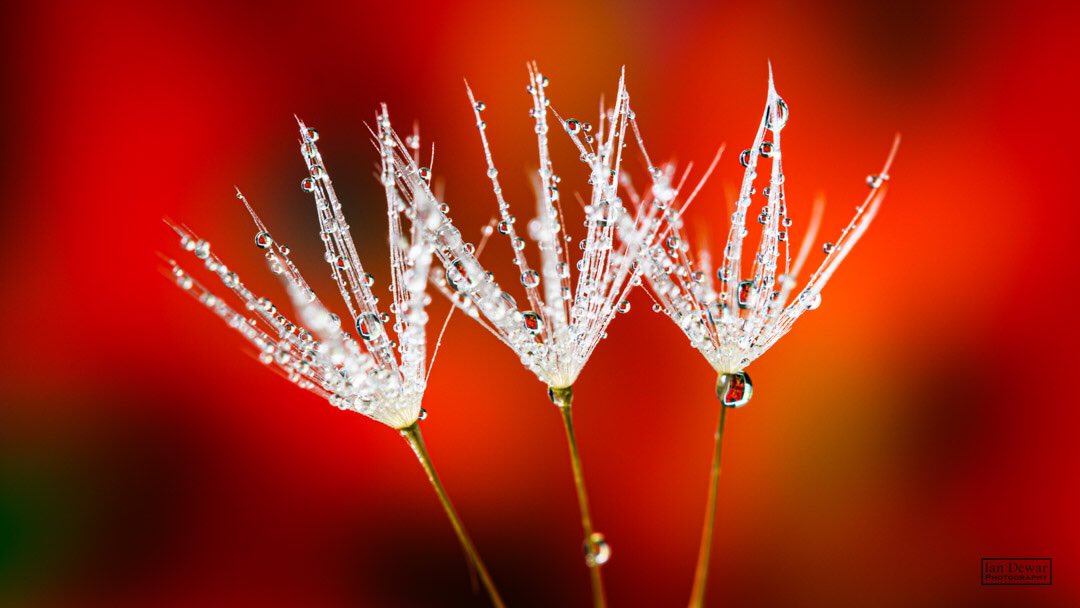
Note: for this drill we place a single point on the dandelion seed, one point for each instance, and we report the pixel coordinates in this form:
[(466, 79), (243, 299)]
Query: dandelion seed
[(382, 375), (731, 337), (564, 322)]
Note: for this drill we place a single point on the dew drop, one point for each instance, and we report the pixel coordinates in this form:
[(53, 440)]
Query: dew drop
[(422, 415), (573, 126), (532, 321), (597, 550), (307, 184), (745, 288), (781, 116), (311, 135), (734, 390), (263, 240), (202, 250), (810, 300), (829, 247), (624, 306), (480, 106), (425, 174), (766, 149), (369, 326), (875, 181), (744, 157), (530, 278)]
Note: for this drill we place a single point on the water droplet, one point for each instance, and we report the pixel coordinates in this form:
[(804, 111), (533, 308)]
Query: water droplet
[(230, 279), (766, 149), (586, 127), (657, 308), (307, 184), (317, 171), (504, 227), (425, 174), (422, 415), (369, 280), (283, 249), (745, 289), (781, 116), (734, 390), (532, 321), (480, 106), (655, 172), (810, 300), (492, 172), (202, 250), (369, 326), (828, 247), (184, 281), (875, 181), (624, 306), (530, 278), (573, 126), (597, 550), (744, 157), (263, 240), (341, 263), (519, 244), (311, 135)]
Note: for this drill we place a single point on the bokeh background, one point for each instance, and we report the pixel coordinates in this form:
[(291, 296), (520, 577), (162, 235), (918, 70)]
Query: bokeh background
[(924, 417)]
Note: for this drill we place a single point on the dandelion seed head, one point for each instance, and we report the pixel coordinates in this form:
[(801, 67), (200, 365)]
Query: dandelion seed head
[(378, 371), (732, 318), (558, 324)]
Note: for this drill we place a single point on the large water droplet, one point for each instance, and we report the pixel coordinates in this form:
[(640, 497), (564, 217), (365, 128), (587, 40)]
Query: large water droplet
[(530, 278), (597, 550), (744, 157), (745, 290), (202, 250), (263, 240), (369, 326), (735, 389), (532, 322)]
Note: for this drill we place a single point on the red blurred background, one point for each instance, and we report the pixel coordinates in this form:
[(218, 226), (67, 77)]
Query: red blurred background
[(922, 418)]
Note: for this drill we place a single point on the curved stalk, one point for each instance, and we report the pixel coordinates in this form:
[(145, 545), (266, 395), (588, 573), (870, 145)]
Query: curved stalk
[(701, 573), (412, 435), (596, 549)]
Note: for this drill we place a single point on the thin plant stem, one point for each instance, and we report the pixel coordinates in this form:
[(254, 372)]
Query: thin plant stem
[(563, 397), (701, 573), (412, 435)]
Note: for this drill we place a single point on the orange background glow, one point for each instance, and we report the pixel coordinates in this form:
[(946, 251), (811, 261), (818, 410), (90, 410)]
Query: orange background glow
[(922, 418)]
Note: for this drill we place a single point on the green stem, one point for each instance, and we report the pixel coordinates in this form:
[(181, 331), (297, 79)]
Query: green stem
[(412, 435), (701, 573), (562, 397)]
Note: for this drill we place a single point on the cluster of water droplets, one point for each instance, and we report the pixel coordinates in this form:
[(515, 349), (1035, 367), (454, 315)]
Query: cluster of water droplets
[(731, 317), (557, 324), (375, 375)]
